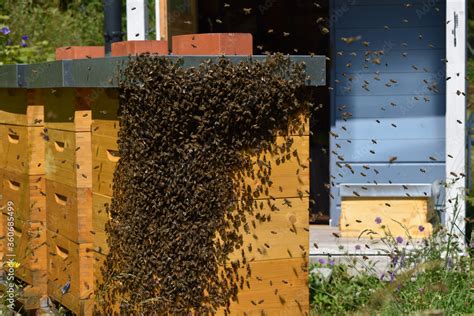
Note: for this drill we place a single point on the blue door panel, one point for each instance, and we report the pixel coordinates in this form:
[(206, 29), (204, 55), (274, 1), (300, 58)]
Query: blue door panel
[(404, 85), (396, 173), (406, 128), (396, 84), (393, 16), (406, 150), (381, 39), (394, 60), (393, 107)]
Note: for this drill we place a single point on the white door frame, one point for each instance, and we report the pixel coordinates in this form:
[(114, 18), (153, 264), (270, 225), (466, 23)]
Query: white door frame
[(137, 20), (456, 19)]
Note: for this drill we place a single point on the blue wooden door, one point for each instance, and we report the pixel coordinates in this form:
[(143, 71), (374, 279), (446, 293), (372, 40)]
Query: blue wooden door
[(388, 97)]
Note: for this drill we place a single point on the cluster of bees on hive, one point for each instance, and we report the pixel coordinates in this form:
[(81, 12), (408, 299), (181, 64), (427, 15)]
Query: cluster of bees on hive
[(189, 142)]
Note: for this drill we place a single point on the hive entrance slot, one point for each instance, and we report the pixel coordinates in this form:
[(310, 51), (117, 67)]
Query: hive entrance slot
[(59, 146), (18, 231), (14, 185), (13, 138), (60, 199), (62, 252), (113, 155)]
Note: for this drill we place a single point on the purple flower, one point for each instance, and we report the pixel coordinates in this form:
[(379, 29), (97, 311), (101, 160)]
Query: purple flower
[(5, 30), (378, 220), (382, 277), (357, 247), (25, 37), (392, 276), (421, 228), (399, 239), (395, 260), (23, 44), (332, 262), (322, 261)]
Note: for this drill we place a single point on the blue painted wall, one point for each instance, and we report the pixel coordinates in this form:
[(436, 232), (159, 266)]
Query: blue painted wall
[(388, 97)]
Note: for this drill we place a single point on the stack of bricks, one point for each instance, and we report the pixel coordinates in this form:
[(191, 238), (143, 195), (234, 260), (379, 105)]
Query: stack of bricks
[(22, 190), (68, 165)]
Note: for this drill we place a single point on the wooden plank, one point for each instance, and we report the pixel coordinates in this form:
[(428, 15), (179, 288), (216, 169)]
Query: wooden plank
[(283, 289), (23, 149), (69, 211), (288, 277), (104, 155), (26, 192), (290, 177), (99, 260), (164, 20), (72, 263), (68, 158), (99, 219), (29, 250), (285, 236), (287, 180), (359, 214), (68, 109)]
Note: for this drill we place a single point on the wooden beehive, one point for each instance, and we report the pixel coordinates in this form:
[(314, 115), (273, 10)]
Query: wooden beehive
[(22, 185), (69, 197), (68, 158), (278, 284), (70, 273), (279, 254), (23, 149), (399, 216), (29, 251), (27, 192), (69, 211)]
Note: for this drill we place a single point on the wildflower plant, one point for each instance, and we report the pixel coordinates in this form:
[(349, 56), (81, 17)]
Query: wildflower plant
[(16, 49), (417, 275)]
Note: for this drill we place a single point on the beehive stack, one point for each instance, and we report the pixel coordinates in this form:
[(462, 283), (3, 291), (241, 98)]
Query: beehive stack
[(22, 186), (279, 278), (278, 285), (105, 128), (69, 197)]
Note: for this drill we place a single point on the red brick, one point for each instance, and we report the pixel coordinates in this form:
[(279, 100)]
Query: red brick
[(79, 52), (139, 47), (213, 44)]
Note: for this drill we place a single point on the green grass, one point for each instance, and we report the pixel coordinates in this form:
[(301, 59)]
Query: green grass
[(436, 276), (434, 289)]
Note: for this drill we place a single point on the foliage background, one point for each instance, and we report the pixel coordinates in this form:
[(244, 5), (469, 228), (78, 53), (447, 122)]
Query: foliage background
[(48, 24)]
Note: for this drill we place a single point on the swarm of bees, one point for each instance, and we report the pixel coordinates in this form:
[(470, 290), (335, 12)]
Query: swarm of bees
[(191, 141)]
